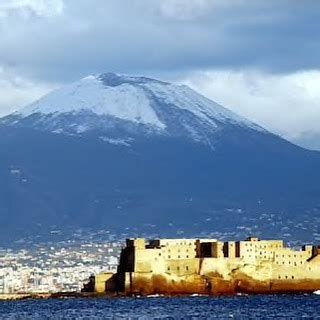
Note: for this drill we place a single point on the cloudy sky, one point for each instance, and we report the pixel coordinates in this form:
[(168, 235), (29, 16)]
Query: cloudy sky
[(259, 58)]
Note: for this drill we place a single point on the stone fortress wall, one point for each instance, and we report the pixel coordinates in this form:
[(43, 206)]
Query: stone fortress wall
[(209, 266)]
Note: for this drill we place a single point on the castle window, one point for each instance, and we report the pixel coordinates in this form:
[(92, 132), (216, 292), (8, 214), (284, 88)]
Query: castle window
[(292, 277), (169, 257), (187, 268), (168, 268), (178, 268), (187, 256), (178, 256), (160, 254), (279, 277), (286, 277)]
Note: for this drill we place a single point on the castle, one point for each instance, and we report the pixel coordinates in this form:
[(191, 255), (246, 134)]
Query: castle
[(209, 266)]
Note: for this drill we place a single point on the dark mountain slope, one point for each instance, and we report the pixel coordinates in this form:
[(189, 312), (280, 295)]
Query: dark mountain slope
[(49, 179)]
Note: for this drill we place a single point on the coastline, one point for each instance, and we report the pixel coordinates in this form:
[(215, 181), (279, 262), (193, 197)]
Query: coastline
[(93, 295), (45, 296)]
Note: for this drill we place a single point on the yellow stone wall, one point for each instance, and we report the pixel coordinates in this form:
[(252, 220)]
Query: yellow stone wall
[(261, 250), (100, 281), (218, 249), (173, 256), (259, 259)]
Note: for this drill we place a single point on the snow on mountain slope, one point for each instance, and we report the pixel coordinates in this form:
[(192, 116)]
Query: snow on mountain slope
[(109, 102), (187, 99), (126, 102)]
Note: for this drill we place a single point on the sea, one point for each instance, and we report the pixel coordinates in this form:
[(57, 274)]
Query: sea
[(195, 307)]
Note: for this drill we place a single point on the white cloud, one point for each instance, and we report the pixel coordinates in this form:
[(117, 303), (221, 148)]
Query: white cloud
[(184, 10), (285, 104), (189, 10), (44, 8), (16, 92)]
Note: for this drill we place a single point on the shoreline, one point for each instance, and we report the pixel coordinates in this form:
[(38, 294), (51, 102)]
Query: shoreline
[(46, 296), (92, 295)]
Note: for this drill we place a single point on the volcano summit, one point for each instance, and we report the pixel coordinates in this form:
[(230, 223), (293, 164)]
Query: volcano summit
[(128, 106)]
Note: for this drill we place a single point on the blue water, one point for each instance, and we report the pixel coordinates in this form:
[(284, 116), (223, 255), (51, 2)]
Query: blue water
[(239, 307)]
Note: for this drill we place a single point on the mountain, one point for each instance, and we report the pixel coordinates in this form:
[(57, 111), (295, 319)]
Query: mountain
[(121, 107), (131, 153)]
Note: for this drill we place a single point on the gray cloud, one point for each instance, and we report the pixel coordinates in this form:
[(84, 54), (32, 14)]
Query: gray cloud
[(149, 36)]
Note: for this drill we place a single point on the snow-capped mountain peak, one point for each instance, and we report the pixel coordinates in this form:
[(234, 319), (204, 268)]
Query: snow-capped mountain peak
[(91, 93), (132, 104)]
